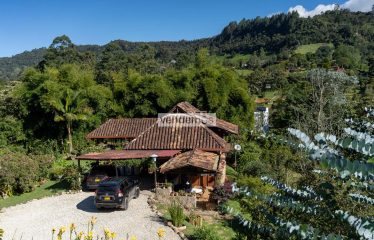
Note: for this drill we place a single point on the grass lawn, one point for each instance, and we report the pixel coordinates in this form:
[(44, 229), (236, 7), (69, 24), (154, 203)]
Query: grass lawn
[(223, 230), (240, 57), (271, 94), (311, 48), (220, 227), (244, 72), (47, 189)]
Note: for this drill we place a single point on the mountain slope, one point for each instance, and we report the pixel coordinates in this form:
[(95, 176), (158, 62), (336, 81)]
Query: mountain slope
[(282, 32)]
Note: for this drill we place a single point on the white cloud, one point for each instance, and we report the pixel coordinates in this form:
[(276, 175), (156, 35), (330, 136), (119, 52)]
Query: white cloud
[(318, 10), (358, 5), (353, 5)]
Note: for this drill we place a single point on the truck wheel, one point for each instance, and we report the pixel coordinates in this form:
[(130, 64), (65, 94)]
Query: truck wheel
[(125, 204), (137, 193)]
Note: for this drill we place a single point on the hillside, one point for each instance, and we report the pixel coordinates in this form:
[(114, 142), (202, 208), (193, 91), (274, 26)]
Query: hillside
[(276, 34)]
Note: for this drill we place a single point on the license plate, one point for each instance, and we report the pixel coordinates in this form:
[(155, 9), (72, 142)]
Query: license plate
[(97, 180), (106, 198)]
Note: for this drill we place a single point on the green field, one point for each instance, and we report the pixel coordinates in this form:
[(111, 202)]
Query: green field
[(311, 48), (47, 189), (244, 72)]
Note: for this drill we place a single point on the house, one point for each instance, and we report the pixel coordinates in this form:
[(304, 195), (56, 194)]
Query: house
[(261, 116), (187, 148)]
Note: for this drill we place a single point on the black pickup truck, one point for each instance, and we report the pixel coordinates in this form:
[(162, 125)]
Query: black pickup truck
[(116, 193)]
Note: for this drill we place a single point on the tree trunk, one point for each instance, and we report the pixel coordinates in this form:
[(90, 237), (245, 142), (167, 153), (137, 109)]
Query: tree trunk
[(320, 110), (70, 139)]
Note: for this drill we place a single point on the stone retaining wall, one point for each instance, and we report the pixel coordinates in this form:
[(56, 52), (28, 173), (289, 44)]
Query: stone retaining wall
[(163, 196)]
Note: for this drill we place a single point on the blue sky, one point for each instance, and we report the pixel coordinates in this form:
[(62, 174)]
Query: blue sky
[(29, 24)]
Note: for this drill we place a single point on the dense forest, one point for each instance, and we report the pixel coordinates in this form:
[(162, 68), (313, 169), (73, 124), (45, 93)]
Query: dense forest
[(277, 35), (316, 75)]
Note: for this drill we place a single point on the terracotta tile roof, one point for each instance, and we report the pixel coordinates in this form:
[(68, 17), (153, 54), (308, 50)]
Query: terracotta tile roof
[(230, 127), (262, 100), (173, 132), (127, 154), (186, 107), (194, 158), (122, 128)]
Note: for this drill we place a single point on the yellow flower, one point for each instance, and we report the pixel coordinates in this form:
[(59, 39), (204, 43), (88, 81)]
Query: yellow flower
[(80, 235), (106, 232), (1, 232), (113, 235), (62, 230), (53, 230), (161, 232), (133, 238), (72, 227), (89, 236), (93, 220)]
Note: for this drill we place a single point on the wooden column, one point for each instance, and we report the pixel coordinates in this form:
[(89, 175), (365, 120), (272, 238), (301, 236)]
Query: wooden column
[(79, 165)]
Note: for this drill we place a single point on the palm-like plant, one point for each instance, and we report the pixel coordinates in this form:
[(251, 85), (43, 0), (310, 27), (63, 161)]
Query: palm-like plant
[(69, 107)]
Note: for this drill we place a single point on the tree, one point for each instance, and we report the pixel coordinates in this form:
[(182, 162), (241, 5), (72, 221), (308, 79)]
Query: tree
[(202, 58), (11, 131), (69, 107), (61, 51), (327, 98), (317, 102), (113, 60), (347, 57), (66, 94)]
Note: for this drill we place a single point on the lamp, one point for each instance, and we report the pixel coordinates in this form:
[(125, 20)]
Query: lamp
[(154, 158)]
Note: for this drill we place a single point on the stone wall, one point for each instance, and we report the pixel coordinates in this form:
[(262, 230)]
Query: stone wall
[(221, 171), (163, 196)]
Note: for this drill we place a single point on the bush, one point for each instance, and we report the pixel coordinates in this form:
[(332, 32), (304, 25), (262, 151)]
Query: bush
[(223, 193), (204, 233), (44, 163), (255, 185), (56, 172), (72, 177), (176, 214), (43, 147), (18, 172), (231, 173)]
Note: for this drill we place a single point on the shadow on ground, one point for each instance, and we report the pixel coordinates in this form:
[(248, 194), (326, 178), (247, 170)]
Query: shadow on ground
[(156, 218), (58, 186), (88, 205)]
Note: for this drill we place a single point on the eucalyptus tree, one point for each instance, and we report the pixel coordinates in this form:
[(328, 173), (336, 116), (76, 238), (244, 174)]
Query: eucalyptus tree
[(332, 198)]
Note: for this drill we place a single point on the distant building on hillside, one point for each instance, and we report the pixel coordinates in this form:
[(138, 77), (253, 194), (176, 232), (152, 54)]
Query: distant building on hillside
[(262, 119)]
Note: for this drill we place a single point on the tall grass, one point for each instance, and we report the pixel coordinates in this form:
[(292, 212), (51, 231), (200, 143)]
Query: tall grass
[(176, 213)]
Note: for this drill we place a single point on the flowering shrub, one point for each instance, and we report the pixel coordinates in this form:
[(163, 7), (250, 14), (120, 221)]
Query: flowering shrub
[(74, 234)]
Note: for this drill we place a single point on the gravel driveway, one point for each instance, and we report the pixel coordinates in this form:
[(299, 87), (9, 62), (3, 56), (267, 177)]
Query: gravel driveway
[(35, 220)]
